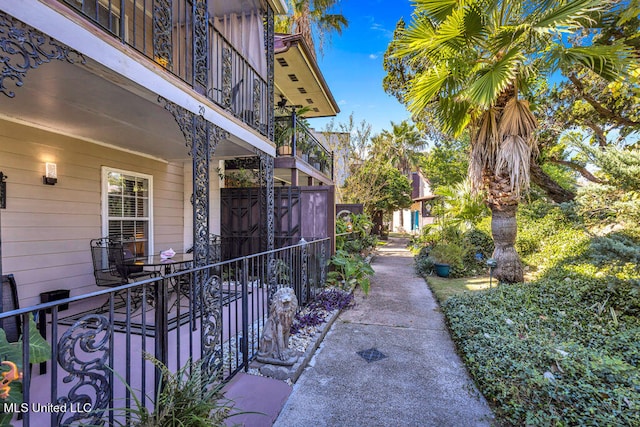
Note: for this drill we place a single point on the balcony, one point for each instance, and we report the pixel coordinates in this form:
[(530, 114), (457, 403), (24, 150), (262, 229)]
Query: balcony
[(212, 55), (294, 139)]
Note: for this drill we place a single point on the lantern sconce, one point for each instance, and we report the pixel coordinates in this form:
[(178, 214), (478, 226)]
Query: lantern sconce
[(51, 174)]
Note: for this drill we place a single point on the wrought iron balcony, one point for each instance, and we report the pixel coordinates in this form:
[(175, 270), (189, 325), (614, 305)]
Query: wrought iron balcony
[(293, 138), (180, 36)]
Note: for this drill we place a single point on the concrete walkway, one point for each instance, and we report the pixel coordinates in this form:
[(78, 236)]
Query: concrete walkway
[(420, 381)]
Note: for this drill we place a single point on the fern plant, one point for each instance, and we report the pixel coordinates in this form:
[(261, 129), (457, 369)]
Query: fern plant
[(186, 398)]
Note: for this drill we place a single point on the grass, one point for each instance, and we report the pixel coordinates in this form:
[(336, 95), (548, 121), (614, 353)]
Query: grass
[(445, 288)]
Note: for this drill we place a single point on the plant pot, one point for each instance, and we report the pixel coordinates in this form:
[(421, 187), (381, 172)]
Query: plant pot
[(442, 270), (284, 150)]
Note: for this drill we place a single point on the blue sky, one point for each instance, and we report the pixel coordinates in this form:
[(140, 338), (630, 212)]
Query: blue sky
[(352, 63)]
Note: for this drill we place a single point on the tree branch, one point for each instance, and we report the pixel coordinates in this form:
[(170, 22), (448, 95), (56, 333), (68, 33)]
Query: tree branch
[(599, 132), (600, 109), (552, 188), (578, 168)]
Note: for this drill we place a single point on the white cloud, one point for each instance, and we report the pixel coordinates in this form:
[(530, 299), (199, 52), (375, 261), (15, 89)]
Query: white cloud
[(342, 102), (374, 26), (373, 56)]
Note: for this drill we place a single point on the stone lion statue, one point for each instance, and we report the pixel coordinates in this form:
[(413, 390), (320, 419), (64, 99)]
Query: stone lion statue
[(274, 345)]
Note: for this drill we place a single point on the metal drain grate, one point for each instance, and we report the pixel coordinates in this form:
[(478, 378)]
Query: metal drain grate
[(371, 355)]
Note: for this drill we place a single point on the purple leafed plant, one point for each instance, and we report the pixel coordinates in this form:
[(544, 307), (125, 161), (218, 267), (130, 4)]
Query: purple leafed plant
[(331, 300), (326, 301)]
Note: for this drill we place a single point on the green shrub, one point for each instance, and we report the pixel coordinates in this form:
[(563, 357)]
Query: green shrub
[(542, 357), (563, 349), (424, 264), (359, 239), (349, 270)]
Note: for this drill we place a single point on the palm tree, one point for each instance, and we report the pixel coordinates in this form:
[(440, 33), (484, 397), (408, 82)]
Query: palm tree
[(476, 58), (401, 146), (312, 17)]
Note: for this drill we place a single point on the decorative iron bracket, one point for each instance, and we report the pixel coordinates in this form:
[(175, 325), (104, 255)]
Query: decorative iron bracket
[(23, 48), (3, 191)]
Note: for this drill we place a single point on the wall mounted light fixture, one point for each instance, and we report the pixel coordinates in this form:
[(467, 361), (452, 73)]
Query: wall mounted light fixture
[(51, 174)]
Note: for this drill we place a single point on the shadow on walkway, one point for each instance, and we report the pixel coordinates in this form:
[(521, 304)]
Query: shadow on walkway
[(387, 361)]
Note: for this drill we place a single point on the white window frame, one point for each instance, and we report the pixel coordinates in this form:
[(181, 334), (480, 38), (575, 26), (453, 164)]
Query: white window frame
[(105, 202)]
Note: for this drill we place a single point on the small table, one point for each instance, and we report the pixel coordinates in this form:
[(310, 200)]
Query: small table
[(170, 264), (167, 266)]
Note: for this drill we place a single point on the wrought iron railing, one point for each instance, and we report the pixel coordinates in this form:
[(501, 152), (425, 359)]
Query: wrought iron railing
[(293, 138), (216, 313), (236, 85), (177, 35)]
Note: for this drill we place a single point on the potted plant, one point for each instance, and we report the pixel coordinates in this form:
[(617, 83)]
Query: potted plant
[(302, 146), (447, 256), (282, 136)]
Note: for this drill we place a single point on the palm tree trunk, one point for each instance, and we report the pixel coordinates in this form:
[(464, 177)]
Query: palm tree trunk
[(504, 229)]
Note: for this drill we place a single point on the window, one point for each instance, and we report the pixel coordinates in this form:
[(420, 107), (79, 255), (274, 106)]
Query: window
[(126, 209)]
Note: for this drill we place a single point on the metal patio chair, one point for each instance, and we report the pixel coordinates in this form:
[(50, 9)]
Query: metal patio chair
[(113, 266)]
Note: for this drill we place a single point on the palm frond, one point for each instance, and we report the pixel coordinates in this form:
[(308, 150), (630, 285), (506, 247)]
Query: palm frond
[(517, 119), (416, 38), (487, 138), (425, 87), (451, 31), (608, 61), (333, 22), (453, 115), (514, 159), (438, 10), (494, 78), (568, 16), (474, 30), (506, 36)]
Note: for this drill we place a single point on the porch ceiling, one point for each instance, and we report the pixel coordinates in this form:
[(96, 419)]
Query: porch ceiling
[(89, 102), (298, 78)]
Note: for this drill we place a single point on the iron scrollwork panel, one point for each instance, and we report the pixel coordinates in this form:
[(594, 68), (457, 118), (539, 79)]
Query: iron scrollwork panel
[(226, 78), (200, 44), (162, 33), (267, 201), (257, 97), (83, 351), (268, 198), (269, 40), (23, 48), (211, 328)]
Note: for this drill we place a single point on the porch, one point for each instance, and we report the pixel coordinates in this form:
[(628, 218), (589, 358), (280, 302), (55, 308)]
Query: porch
[(215, 313)]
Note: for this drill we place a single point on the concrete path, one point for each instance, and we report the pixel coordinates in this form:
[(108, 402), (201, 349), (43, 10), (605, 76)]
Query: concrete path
[(420, 382)]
